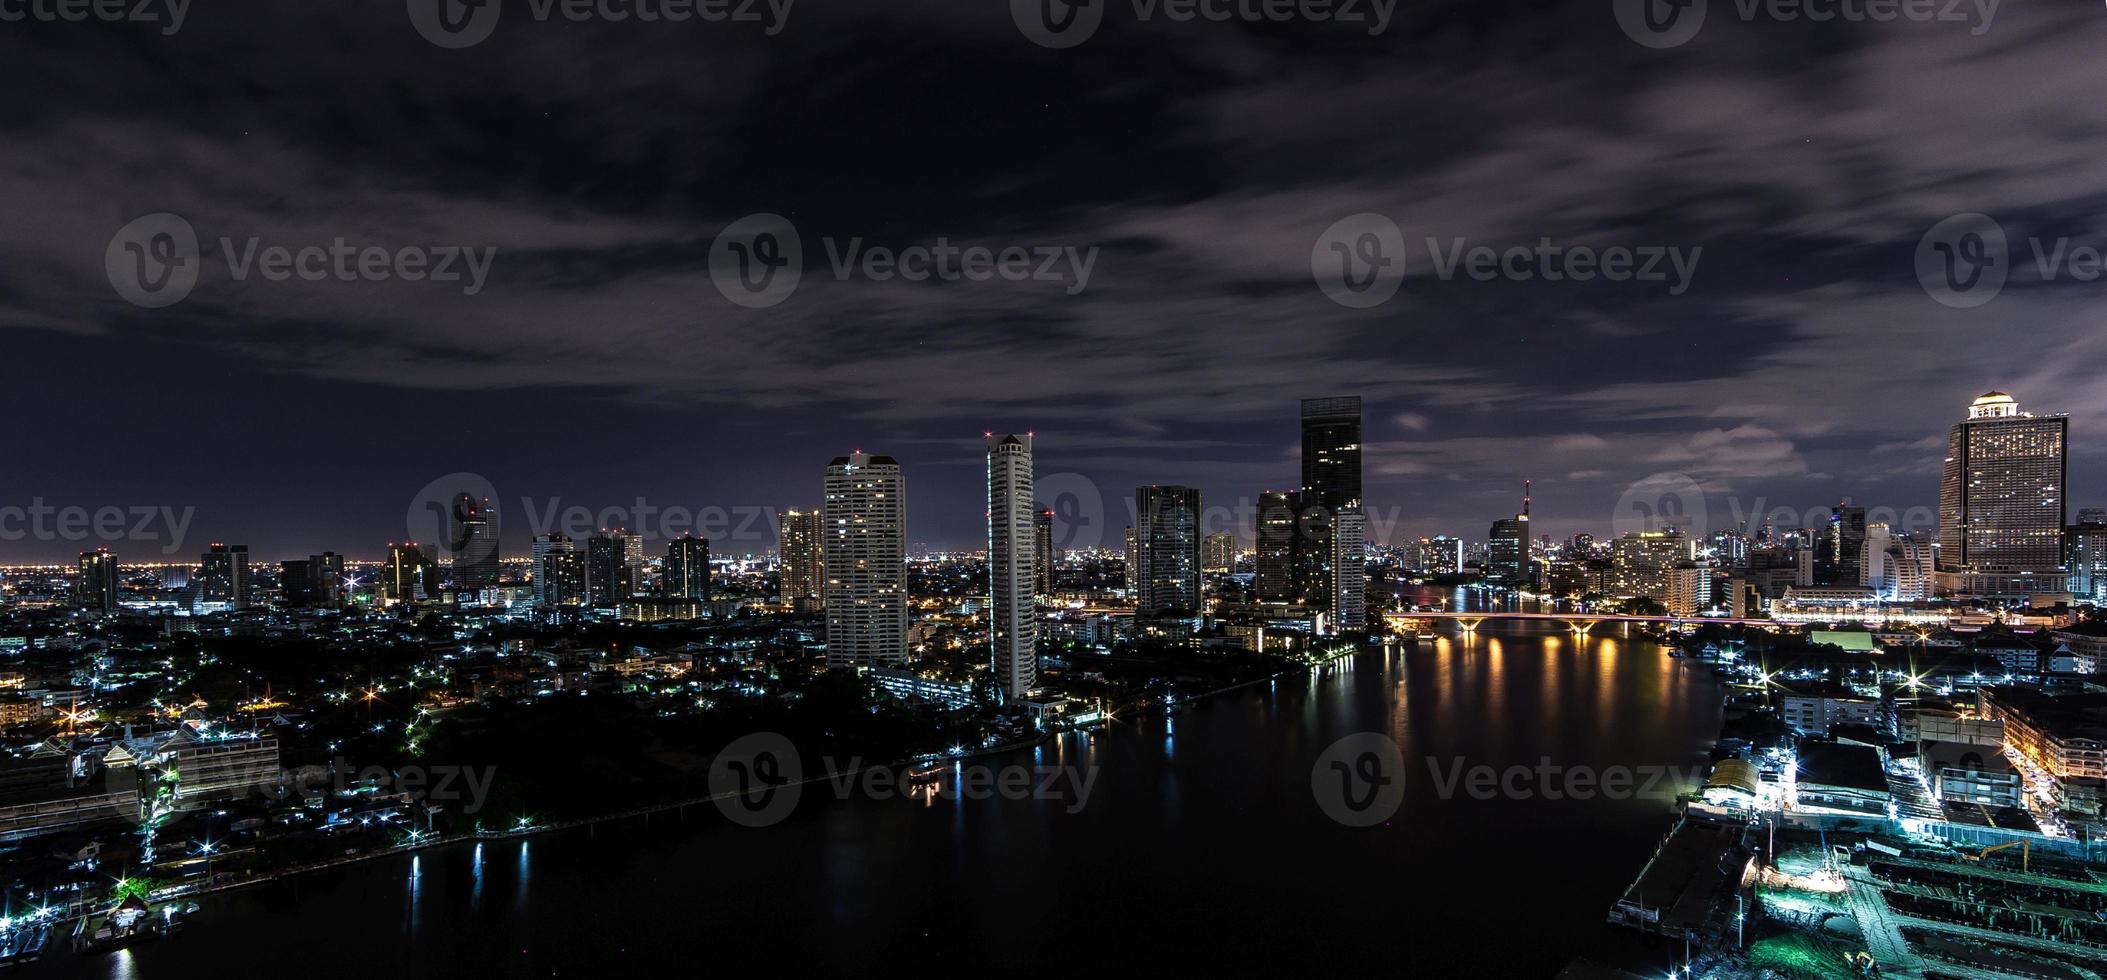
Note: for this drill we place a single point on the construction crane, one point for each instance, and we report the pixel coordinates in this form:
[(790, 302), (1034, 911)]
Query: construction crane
[(2026, 853)]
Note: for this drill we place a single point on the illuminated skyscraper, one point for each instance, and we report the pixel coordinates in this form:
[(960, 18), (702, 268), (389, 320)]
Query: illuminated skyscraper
[(2002, 500), (803, 569), (544, 546), (865, 545), (96, 589), (1331, 554), (409, 575), (610, 571), (472, 531), (2085, 550), (1507, 547), (1218, 553), (223, 576), (687, 573), (1013, 533), (1042, 551), (1276, 580), (1167, 551)]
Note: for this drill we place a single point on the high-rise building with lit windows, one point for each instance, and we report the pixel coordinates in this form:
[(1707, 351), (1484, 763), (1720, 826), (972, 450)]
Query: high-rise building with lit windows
[(223, 576), (472, 531), (2002, 501), (96, 589), (1167, 551), (803, 569), (687, 572), (610, 571), (1277, 517), (1013, 533), (1333, 564), (864, 518), (1043, 551)]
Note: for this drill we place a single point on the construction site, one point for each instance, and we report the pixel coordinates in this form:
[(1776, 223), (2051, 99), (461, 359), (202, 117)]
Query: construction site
[(1872, 906)]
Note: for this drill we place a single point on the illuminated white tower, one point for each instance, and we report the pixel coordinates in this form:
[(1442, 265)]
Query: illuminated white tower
[(865, 523), (1012, 551)]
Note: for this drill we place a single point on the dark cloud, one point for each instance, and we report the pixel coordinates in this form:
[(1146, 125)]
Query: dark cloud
[(1201, 161)]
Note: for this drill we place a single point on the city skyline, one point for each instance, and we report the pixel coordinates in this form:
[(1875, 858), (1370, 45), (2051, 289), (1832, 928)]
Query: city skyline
[(755, 529), (1804, 364)]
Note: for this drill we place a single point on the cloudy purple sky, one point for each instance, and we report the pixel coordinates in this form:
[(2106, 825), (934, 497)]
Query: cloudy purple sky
[(599, 363)]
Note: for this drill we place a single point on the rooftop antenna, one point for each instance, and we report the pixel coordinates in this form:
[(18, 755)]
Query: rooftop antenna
[(1525, 499)]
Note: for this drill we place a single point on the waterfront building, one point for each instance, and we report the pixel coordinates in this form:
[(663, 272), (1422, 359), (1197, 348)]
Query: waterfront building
[(1277, 519), (1507, 546), (2002, 501), (1334, 569), (1013, 567), (865, 549)]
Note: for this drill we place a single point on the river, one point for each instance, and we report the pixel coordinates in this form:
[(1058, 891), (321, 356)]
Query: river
[(1201, 845)]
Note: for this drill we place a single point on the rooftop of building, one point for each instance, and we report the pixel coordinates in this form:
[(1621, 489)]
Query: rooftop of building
[(2082, 715), (1962, 755), (1836, 764)]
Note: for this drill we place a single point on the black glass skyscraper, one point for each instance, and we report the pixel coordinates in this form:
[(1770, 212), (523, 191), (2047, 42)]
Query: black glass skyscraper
[(688, 568), (1331, 451)]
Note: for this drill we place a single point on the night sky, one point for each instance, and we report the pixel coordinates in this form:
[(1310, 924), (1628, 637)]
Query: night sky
[(598, 363)]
